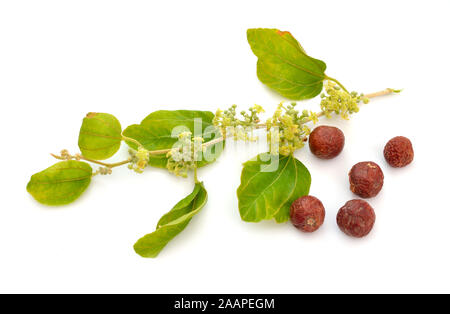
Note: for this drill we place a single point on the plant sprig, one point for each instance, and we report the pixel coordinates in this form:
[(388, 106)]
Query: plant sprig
[(184, 140)]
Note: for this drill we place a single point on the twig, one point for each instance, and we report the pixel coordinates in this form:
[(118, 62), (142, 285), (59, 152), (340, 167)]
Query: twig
[(80, 157), (384, 92)]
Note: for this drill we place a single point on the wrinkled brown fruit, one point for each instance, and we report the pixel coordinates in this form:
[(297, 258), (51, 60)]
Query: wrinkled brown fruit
[(399, 152), (366, 179), (326, 142), (307, 213), (356, 218)]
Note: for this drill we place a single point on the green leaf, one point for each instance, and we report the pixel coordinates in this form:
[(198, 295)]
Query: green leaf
[(155, 132), (267, 190), (100, 136), (172, 223), (284, 66), (60, 184)]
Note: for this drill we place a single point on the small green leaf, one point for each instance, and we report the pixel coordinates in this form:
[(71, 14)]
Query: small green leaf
[(267, 190), (155, 132), (60, 184), (100, 136), (172, 223), (284, 66)]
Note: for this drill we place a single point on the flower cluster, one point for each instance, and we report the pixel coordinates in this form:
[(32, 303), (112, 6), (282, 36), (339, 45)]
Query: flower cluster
[(65, 155), (103, 171), (139, 159), (184, 154), (238, 128), (287, 131), (338, 101)]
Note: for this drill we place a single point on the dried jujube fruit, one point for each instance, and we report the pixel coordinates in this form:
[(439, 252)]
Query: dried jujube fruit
[(399, 152), (366, 179), (356, 218), (307, 213), (326, 142)]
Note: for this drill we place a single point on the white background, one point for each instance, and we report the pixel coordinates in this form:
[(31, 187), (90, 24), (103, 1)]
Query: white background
[(62, 59)]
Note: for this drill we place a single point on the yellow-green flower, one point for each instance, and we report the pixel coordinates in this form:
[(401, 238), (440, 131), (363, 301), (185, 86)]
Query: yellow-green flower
[(258, 109)]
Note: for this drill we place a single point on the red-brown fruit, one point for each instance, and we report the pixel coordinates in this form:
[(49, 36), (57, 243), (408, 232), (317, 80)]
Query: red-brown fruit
[(399, 152), (356, 218), (307, 213), (326, 142), (366, 179)]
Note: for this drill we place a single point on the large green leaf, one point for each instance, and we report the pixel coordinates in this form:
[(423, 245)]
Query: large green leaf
[(172, 223), (267, 191), (100, 136), (155, 132), (284, 66), (60, 184)]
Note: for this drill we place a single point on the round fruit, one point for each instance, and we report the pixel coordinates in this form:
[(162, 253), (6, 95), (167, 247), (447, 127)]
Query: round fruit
[(399, 152), (307, 213), (366, 179), (356, 218), (326, 142)]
